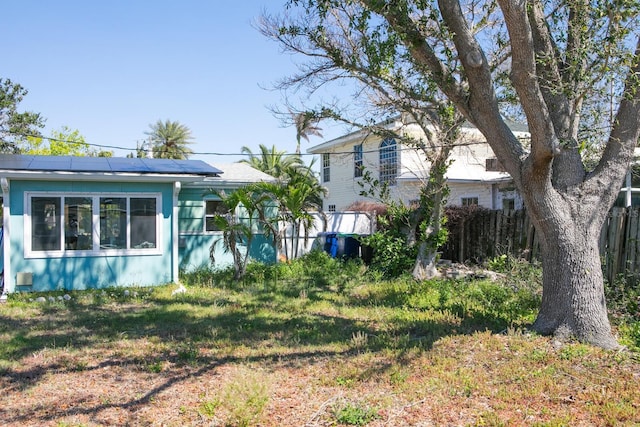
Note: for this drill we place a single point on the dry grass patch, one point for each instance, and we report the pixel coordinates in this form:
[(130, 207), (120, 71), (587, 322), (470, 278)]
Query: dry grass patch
[(380, 354)]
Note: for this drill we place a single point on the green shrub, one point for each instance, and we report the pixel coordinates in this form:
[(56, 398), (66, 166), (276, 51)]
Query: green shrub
[(623, 302), (499, 264), (354, 415), (623, 298), (392, 256)]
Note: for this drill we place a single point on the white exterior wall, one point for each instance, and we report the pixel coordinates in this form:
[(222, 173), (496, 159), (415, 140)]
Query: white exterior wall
[(489, 196), (413, 165), (472, 155), (509, 193), (482, 191), (469, 164), (342, 187), (361, 223)]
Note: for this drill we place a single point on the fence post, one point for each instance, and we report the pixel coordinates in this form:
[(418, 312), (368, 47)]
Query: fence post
[(615, 232), (461, 240), (631, 244), (480, 236)]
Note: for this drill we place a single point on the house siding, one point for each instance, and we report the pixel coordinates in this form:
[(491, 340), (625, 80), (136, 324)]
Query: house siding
[(466, 177), (458, 191), (195, 243), (343, 187), (83, 272)]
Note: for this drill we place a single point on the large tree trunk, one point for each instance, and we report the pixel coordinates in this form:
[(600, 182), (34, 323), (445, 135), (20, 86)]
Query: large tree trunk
[(432, 200), (425, 266), (569, 223), (573, 302), (567, 202)]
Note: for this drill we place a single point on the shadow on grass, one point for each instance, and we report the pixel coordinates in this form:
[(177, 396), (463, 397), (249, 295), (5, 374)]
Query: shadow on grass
[(277, 325), (205, 365), (259, 316)]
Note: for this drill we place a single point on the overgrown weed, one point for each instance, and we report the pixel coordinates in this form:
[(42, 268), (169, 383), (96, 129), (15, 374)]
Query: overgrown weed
[(245, 397), (452, 340), (623, 302), (354, 413)]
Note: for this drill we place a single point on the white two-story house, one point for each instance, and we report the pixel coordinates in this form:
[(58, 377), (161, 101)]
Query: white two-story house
[(474, 176)]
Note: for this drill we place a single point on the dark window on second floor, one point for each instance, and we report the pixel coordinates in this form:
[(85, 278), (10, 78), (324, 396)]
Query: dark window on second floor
[(388, 161), (326, 168), (357, 161)]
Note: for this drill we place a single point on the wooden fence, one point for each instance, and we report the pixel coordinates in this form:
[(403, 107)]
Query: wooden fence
[(486, 234)]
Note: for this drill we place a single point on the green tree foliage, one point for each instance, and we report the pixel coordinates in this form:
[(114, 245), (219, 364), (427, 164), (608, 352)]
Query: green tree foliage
[(170, 140), (298, 195), (15, 126), (571, 69), (141, 151), (297, 192), (306, 125), (246, 208), (271, 161), (344, 45), (392, 255), (63, 142)]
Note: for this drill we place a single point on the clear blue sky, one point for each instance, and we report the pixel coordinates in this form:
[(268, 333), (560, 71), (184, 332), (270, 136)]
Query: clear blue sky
[(111, 68)]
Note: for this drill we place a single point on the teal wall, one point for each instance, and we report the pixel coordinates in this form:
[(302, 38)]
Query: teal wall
[(101, 271), (194, 251), (195, 243)]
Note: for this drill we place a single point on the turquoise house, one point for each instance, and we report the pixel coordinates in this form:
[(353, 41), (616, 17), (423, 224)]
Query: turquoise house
[(72, 223), (197, 205)]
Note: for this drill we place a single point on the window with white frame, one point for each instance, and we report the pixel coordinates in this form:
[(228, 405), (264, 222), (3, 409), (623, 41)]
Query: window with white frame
[(326, 168), (357, 161), (332, 208), (388, 161), (68, 224), (78, 224), (212, 209), (468, 201)]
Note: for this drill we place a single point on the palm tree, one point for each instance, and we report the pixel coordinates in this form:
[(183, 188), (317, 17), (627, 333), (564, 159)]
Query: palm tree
[(170, 140), (304, 177), (303, 195), (297, 196), (238, 233), (297, 192), (271, 161), (306, 126)]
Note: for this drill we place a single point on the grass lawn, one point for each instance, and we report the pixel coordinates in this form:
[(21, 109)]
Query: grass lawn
[(304, 345)]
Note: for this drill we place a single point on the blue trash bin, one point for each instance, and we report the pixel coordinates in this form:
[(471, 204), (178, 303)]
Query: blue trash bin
[(329, 243)]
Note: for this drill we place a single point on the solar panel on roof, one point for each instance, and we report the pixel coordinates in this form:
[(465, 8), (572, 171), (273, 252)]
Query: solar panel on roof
[(118, 164), (88, 164), (105, 165), (8, 161), (50, 164)]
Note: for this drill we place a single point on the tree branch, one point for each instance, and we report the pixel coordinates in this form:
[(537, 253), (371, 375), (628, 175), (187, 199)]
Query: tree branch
[(422, 52), (544, 143), (483, 103), (625, 133)]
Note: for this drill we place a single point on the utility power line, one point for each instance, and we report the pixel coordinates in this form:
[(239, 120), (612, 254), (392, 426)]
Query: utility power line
[(214, 153)]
